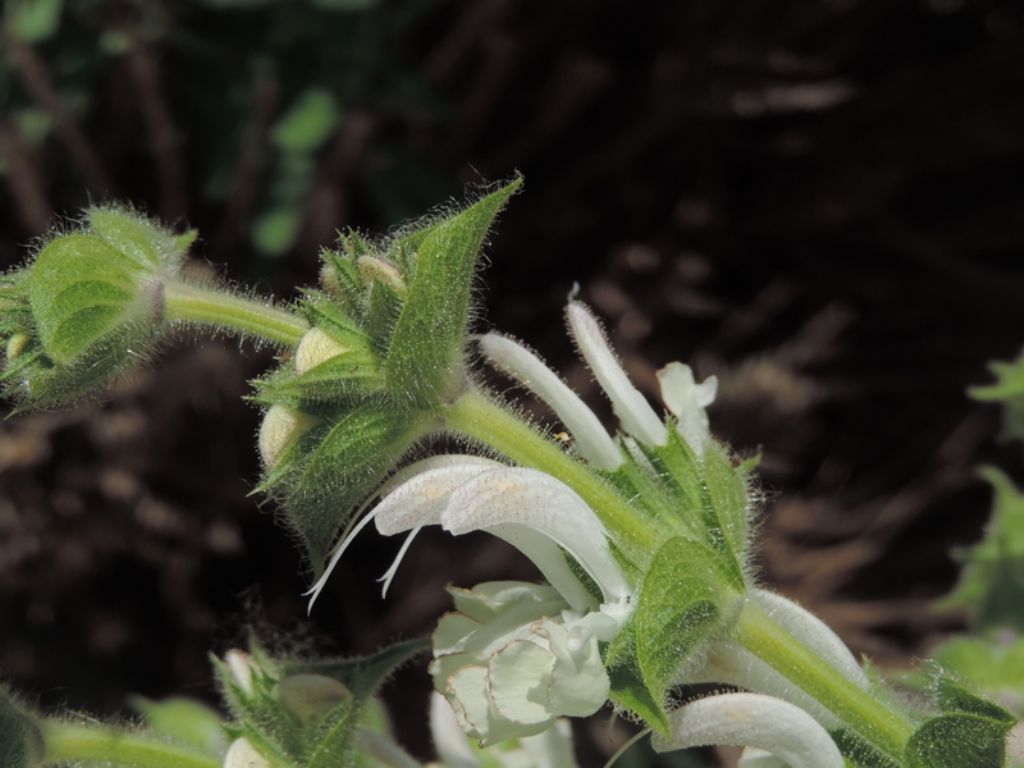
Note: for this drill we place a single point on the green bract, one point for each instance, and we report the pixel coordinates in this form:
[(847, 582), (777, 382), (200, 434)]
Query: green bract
[(88, 305), (383, 355), (300, 714)]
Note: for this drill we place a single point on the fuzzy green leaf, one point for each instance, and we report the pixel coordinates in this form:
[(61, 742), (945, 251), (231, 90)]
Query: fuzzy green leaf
[(860, 753), (679, 610), (726, 500), (334, 467), (992, 584), (183, 721), (147, 244), (629, 691), (993, 665), (333, 742), (80, 290), (355, 374), (363, 675), (954, 697), (958, 741), (428, 338)]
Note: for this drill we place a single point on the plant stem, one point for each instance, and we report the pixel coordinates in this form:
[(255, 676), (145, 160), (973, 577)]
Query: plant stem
[(73, 742), (867, 715), (478, 417), (188, 303)]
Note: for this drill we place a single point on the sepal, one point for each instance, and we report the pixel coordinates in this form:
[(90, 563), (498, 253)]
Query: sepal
[(425, 349)]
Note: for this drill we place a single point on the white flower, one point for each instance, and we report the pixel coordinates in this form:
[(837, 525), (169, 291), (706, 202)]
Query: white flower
[(513, 659), (550, 749), (752, 720), (686, 400), (515, 656), (539, 515)]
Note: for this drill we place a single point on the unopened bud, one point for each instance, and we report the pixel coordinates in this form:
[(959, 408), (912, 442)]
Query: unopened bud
[(16, 345), (316, 347), (310, 697), (242, 754), (240, 665), (281, 427), (377, 270)]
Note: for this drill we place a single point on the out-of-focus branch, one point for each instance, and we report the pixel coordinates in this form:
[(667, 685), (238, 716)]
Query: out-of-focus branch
[(35, 76), (164, 138), (25, 181)]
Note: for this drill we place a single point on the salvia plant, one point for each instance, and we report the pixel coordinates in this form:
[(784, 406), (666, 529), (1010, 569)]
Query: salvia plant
[(643, 535)]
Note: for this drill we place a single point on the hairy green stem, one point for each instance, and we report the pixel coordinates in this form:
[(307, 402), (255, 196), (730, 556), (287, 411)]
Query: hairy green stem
[(868, 716), (70, 742), (188, 303), (478, 417)]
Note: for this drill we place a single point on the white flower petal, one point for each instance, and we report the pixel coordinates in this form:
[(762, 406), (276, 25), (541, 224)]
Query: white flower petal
[(686, 400), (466, 691), (592, 440), (750, 719), (734, 665), (434, 463), (812, 632), (579, 683), (552, 748), (486, 600), (420, 499), (550, 561), (520, 496), (632, 408), (518, 679), (452, 633), (758, 758), (449, 740)]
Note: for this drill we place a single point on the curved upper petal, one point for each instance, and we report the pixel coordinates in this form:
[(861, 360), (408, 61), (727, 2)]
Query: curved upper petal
[(419, 499), (528, 497), (752, 720)]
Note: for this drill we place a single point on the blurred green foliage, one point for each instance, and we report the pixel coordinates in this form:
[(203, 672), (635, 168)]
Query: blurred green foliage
[(236, 109), (1008, 390)]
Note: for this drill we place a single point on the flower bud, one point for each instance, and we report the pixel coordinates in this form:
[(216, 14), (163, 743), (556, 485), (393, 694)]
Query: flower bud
[(242, 754), (240, 666), (281, 427), (316, 347), (310, 697)]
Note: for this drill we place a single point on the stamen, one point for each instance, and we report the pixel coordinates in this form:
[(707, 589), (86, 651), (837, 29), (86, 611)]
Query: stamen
[(389, 575)]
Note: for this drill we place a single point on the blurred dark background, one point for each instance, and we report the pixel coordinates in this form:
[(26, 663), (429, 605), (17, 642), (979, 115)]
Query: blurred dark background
[(820, 202)]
